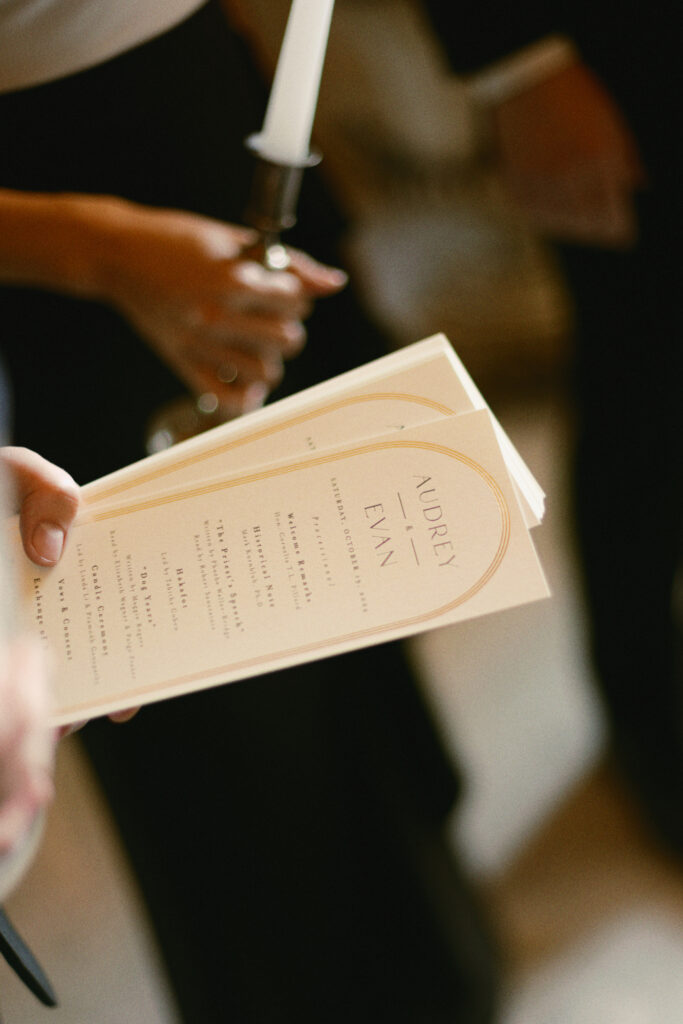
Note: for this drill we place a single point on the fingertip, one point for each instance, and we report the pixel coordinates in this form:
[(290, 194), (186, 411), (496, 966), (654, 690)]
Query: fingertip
[(255, 395), (337, 276), (67, 730), (317, 275), (120, 717), (329, 279)]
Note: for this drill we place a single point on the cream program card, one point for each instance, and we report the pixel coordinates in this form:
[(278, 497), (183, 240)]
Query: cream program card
[(210, 580)]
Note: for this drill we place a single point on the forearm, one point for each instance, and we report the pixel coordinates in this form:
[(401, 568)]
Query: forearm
[(56, 241)]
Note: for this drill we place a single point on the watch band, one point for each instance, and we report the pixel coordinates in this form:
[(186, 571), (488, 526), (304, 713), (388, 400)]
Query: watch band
[(21, 959)]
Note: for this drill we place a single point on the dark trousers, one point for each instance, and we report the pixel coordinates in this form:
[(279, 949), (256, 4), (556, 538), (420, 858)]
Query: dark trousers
[(629, 484)]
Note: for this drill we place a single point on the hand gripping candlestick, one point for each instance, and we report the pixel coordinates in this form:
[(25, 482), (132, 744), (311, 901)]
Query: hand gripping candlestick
[(271, 210), (281, 154)]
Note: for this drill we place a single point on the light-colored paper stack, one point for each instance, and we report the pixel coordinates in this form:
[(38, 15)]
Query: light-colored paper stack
[(380, 504)]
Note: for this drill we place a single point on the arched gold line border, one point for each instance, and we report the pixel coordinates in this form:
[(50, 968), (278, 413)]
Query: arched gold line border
[(362, 634), (259, 435)]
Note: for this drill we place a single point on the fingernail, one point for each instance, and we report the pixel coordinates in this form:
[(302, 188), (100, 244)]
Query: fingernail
[(338, 276), (48, 542)]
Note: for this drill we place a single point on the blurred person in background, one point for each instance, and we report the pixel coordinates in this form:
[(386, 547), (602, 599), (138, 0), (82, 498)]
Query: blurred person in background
[(288, 832), (581, 105)]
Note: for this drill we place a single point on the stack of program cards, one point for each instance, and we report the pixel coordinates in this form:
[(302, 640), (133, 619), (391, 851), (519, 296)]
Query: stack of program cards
[(380, 504)]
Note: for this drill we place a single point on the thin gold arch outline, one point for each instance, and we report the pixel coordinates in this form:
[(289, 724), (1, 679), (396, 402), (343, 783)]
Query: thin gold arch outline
[(221, 448)]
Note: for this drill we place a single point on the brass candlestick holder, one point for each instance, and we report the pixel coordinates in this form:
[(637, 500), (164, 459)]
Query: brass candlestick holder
[(273, 202), (271, 210)]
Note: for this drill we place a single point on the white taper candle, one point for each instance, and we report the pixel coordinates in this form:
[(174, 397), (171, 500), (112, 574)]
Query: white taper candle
[(286, 133)]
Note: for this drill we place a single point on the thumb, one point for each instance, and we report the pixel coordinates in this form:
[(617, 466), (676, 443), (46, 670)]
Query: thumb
[(47, 500)]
